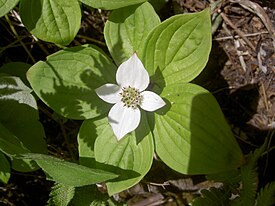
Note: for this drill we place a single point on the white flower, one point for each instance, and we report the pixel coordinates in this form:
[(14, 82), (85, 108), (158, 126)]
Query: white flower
[(128, 96)]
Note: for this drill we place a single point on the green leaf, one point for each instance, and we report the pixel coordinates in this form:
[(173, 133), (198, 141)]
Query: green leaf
[(89, 195), (61, 195), (191, 134), (249, 178), (266, 196), (5, 172), (22, 121), (18, 69), (12, 88), (66, 82), (20, 116), (69, 173), (133, 154), (6, 6), (213, 197), (110, 4), (10, 144), (127, 28), (56, 21), (177, 50)]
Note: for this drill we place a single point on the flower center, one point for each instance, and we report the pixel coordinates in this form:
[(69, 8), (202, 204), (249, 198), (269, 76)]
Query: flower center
[(131, 97)]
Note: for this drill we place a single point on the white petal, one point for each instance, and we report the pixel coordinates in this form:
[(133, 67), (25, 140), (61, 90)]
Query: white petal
[(132, 73), (123, 119), (151, 101), (109, 93)]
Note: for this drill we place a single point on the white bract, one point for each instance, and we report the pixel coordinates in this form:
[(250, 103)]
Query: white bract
[(128, 96)]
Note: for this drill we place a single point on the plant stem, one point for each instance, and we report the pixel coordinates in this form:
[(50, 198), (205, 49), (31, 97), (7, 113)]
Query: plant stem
[(19, 39)]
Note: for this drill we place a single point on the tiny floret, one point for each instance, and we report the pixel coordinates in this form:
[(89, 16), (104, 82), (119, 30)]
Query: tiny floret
[(131, 97), (128, 96)]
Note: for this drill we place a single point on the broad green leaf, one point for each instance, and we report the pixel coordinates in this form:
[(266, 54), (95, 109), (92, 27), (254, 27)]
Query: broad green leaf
[(61, 195), (5, 172), (18, 69), (110, 4), (127, 28), (134, 153), (6, 6), (66, 82), (10, 144), (20, 116), (69, 173), (177, 50), (23, 121), (191, 134), (12, 88), (89, 195), (64, 195), (56, 21)]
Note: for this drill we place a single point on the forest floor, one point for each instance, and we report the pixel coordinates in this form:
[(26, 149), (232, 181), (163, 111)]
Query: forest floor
[(240, 74)]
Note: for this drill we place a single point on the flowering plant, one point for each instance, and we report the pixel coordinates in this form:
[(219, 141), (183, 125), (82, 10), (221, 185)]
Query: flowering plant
[(187, 129), (132, 79)]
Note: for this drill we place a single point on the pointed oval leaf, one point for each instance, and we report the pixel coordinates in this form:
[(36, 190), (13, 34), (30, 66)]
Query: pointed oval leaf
[(134, 153), (10, 144), (16, 101), (66, 82), (127, 28), (5, 171), (26, 127), (177, 50), (56, 21), (6, 6), (12, 88), (90, 195), (69, 173), (110, 4), (18, 69), (192, 136)]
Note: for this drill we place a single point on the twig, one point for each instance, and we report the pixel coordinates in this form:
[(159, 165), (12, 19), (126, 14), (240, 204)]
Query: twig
[(13, 44), (91, 39), (264, 97), (240, 55), (260, 12), (17, 36), (237, 36), (239, 32), (66, 139)]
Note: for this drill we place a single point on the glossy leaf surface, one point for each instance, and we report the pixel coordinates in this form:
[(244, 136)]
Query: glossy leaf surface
[(66, 82), (56, 21), (110, 4), (6, 6), (69, 173), (191, 134), (20, 117), (4, 169), (177, 50), (132, 156), (127, 28)]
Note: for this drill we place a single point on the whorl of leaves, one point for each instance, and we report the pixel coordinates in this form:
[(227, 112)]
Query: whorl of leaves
[(266, 196)]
